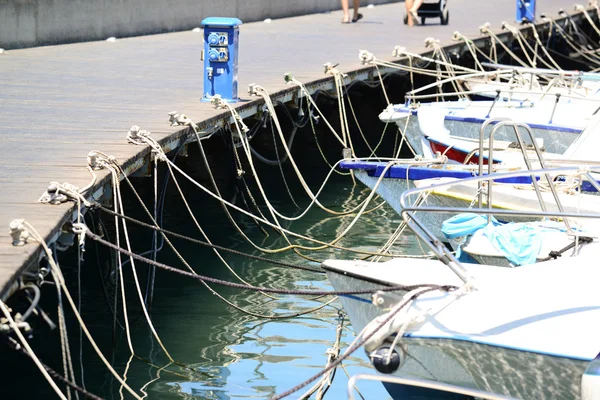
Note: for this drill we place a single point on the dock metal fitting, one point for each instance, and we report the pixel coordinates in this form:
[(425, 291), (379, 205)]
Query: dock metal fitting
[(366, 57), (80, 230), (431, 42), (18, 232), (136, 135), (96, 160), (23, 326), (288, 77), (398, 51), (329, 67), (252, 89), (176, 119), (456, 36), (512, 29), (54, 194), (218, 101), (485, 28)]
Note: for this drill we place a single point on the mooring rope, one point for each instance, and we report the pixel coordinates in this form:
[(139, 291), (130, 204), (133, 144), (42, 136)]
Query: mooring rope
[(332, 353), (357, 344), (166, 267), (15, 328), (494, 38), (189, 267), (573, 43), (17, 347), (203, 243), (323, 244), (59, 279)]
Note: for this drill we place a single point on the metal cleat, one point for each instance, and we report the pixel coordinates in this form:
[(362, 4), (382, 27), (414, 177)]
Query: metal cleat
[(366, 57), (288, 77), (177, 119), (18, 232), (431, 42), (252, 89), (485, 27), (398, 51)]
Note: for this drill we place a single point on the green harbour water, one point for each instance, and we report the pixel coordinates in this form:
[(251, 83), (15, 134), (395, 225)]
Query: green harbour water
[(227, 354)]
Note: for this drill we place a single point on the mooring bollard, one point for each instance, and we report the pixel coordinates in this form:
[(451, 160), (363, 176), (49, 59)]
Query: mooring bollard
[(220, 55), (525, 10)]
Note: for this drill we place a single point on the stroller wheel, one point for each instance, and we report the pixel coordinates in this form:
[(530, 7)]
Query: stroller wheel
[(445, 17)]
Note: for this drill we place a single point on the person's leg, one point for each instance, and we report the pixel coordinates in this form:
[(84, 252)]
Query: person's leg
[(409, 4), (356, 14), (346, 17), (416, 4)]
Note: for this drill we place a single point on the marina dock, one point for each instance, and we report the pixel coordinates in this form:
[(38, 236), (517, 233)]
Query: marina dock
[(61, 102)]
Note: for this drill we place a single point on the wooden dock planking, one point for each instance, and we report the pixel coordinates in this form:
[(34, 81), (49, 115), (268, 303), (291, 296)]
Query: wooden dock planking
[(60, 102)]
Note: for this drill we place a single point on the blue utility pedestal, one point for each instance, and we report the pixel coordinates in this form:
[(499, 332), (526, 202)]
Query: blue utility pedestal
[(525, 10), (220, 55)]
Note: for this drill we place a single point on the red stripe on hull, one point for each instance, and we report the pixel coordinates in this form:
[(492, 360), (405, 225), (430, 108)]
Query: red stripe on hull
[(455, 154)]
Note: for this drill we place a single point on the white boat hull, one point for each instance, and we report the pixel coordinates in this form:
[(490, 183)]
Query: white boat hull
[(537, 351), (464, 120)]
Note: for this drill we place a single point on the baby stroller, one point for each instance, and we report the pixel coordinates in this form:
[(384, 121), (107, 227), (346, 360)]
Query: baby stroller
[(432, 9)]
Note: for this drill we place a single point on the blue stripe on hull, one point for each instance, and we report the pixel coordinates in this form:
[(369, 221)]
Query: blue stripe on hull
[(476, 120), (415, 173)]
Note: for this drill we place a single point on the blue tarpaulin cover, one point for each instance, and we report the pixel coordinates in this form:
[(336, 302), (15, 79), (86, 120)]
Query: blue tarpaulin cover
[(465, 224), (519, 243)]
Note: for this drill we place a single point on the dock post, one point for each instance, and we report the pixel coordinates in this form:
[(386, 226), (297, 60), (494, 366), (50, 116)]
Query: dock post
[(526, 11), (220, 55)]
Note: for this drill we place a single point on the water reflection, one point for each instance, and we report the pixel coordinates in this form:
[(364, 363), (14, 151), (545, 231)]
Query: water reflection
[(242, 356)]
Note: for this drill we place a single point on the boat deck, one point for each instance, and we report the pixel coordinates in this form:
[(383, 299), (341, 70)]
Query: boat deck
[(60, 102)]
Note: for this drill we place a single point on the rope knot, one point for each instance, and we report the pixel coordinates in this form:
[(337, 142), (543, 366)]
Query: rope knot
[(96, 160), (485, 28), (136, 135), (177, 119), (18, 232), (510, 28), (366, 57), (80, 229), (54, 195), (331, 69), (398, 51), (218, 101), (288, 77), (333, 353), (431, 42), (253, 89)]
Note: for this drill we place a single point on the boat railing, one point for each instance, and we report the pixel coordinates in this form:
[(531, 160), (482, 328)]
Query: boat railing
[(480, 74), (439, 387), (409, 210), (565, 74), (505, 93), (517, 127), (510, 73)]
